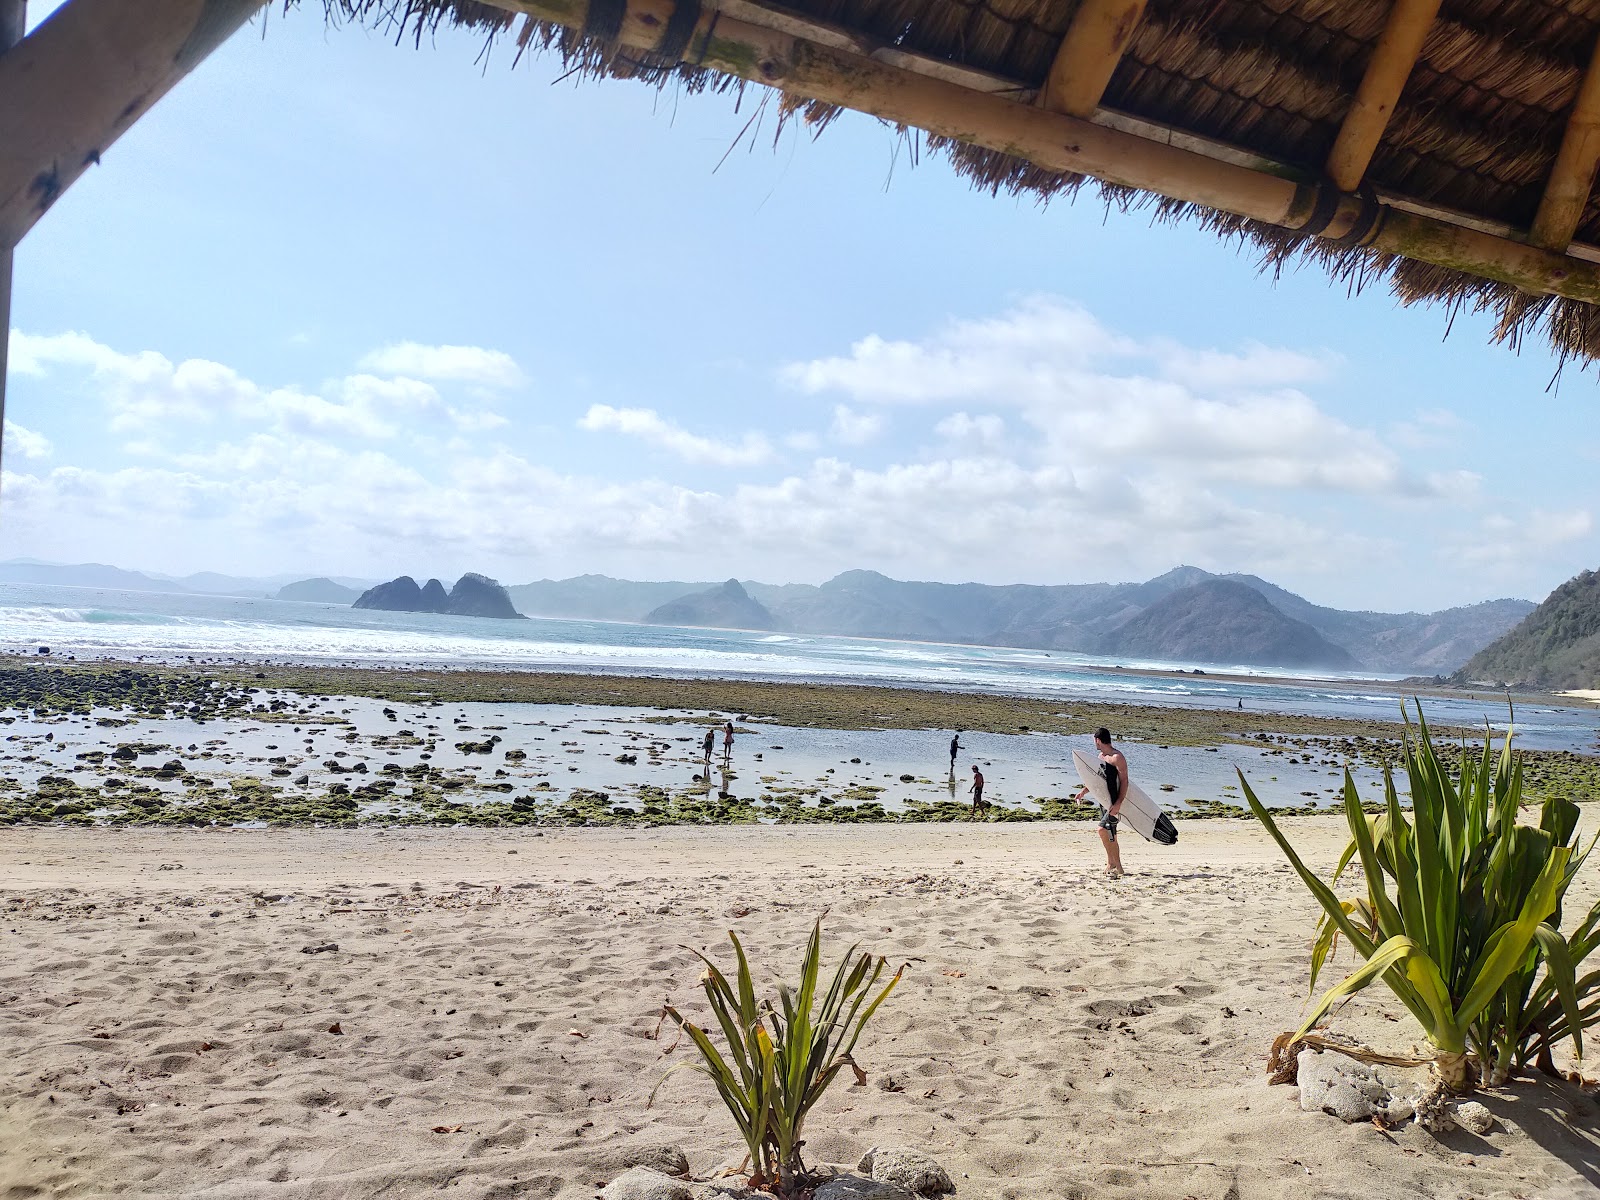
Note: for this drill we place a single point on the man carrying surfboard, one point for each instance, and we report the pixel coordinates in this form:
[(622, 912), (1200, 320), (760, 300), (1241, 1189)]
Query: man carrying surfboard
[(1114, 767)]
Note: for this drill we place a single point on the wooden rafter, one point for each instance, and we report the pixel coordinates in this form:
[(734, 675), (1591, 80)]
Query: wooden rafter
[(1387, 71), (1566, 192), (1090, 51), (808, 69), (82, 78)]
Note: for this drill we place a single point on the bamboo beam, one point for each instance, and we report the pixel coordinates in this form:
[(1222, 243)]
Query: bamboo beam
[(1090, 51), (1058, 142), (82, 78), (1387, 72), (13, 23), (1566, 191)]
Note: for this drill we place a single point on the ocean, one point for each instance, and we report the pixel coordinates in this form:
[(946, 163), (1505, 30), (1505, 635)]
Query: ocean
[(163, 627)]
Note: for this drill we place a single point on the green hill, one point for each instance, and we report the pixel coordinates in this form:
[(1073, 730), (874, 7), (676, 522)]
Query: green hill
[(1557, 646)]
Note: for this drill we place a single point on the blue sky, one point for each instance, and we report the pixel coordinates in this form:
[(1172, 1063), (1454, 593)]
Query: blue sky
[(338, 306)]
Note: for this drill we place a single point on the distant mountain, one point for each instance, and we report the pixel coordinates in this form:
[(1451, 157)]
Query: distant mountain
[(1557, 646), (1074, 617), (597, 597), (473, 596), (93, 575), (98, 575), (727, 606), (319, 591), (1223, 621)]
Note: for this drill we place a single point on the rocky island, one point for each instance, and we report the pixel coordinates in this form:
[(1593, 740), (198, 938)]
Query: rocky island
[(727, 606), (474, 595)]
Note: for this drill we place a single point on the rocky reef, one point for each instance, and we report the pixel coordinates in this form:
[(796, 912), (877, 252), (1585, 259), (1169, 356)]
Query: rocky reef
[(474, 595)]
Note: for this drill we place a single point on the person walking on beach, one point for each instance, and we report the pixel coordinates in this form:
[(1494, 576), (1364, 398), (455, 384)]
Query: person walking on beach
[(727, 740), (955, 748), (977, 792), (1115, 767), (711, 741)]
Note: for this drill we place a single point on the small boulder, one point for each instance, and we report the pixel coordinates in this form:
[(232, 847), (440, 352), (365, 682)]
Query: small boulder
[(1474, 1117), (853, 1187), (669, 1160), (908, 1169), (1334, 1084), (641, 1183)]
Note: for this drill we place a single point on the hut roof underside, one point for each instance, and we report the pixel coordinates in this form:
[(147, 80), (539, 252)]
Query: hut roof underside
[(1473, 136)]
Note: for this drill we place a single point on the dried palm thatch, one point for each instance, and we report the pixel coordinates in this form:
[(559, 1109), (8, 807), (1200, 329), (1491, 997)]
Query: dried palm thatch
[(1469, 143)]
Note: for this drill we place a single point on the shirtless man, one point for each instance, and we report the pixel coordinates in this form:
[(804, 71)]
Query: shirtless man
[(1116, 772), (977, 793)]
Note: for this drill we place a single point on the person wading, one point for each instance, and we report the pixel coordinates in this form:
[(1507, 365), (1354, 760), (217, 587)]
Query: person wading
[(977, 792)]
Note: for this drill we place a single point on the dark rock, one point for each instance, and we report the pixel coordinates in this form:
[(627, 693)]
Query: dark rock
[(398, 595), (434, 597), (473, 596)]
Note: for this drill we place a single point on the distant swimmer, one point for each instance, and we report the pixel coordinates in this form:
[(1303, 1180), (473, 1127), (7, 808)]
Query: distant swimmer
[(977, 791)]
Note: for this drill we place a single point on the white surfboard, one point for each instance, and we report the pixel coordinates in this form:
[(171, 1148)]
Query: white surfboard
[(1140, 813)]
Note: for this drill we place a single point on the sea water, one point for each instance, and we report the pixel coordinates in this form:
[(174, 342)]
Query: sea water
[(169, 627)]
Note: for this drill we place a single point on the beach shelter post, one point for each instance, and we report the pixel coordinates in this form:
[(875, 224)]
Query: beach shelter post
[(13, 20)]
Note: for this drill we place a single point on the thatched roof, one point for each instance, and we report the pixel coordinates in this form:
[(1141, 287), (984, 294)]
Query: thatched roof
[(1263, 84)]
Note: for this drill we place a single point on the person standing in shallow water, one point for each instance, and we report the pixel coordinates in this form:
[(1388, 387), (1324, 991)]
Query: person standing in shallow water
[(1115, 767), (727, 739), (955, 748), (711, 740), (977, 792)]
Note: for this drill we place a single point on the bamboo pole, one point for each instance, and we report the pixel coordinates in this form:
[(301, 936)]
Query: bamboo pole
[(13, 23), (1566, 192), (1089, 53), (82, 78), (1058, 142), (1396, 54)]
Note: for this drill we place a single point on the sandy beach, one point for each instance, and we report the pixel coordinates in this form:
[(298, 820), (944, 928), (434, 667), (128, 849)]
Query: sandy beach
[(169, 1026)]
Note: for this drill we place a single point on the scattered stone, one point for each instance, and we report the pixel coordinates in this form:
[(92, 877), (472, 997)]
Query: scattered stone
[(322, 949), (669, 1160), (853, 1187), (641, 1183), (1474, 1117), (908, 1169), (1334, 1084)]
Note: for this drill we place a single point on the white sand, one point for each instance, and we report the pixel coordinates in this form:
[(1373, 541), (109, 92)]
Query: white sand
[(1056, 1035)]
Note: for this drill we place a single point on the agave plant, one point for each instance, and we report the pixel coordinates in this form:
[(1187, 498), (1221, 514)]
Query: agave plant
[(781, 1058), (1469, 939)]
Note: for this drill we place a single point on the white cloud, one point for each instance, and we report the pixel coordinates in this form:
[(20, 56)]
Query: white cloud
[(459, 364), (648, 425), (148, 393), (1505, 544), (26, 442), (1212, 415), (986, 431), (1009, 359), (854, 428)]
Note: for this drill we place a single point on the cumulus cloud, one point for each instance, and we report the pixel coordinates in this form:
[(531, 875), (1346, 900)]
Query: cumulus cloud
[(457, 364), (854, 428), (649, 426), (25, 442), (1214, 415), (146, 392)]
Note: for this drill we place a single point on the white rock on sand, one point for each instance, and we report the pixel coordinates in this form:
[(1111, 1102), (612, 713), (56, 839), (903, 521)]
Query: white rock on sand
[(1052, 1036)]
